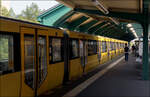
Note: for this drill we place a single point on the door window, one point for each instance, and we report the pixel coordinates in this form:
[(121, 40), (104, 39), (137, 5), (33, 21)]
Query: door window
[(42, 58), (29, 60), (81, 48), (74, 48), (104, 47)]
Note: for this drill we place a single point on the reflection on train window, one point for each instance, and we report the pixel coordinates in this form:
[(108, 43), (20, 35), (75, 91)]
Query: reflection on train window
[(75, 48), (29, 61), (104, 46), (118, 46), (29, 49), (98, 47), (55, 47), (42, 58), (6, 54), (112, 46), (109, 46), (115, 45), (92, 47), (81, 48)]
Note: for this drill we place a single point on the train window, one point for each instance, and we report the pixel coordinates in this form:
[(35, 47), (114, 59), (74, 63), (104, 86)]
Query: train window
[(92, 47), (6, 54), (118, 45), (95, 47), (74, 48), (42, 58), (29, 60), (99, 46), (55, 50), (111, 46), (115, 45), (104, 46)]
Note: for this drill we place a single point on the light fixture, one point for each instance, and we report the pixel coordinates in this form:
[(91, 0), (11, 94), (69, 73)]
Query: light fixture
[(129, 25), (100, 6), (131, 29)]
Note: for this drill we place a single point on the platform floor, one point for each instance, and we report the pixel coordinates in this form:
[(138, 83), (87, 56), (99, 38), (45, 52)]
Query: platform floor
[(122, 80)]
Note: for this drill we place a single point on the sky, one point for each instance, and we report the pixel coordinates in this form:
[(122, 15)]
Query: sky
[(19, 5)]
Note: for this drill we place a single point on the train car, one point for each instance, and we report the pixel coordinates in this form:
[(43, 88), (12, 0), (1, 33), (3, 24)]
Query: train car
[(36, 58), (32, 58)]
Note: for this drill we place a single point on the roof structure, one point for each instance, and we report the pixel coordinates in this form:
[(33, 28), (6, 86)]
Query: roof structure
[(101, 17)]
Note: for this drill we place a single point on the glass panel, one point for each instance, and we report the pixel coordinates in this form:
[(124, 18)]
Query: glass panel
[(42, 58), (108, 46), (29, 61), (86, 48), (112, 45), (6, 54), (104, 46), (81, 48), (75, 48), (90, 43), (92, 47), (95, 47), (56, 49)]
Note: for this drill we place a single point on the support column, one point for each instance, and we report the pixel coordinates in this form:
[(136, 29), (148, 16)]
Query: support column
[(146, 68), (145, 74)]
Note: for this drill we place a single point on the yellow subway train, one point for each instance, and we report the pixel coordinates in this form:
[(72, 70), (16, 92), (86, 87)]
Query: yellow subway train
[(36, 58)]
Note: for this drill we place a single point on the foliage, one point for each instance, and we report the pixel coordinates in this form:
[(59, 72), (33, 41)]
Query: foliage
[(5, 12), (30, 13), (3, 48)]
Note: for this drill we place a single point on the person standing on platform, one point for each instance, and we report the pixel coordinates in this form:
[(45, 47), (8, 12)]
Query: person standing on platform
[(126, 50), (133, 49)]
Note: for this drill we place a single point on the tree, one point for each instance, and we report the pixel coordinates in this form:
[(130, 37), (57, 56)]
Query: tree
[(30, 13), (11, 13), (5, 12)]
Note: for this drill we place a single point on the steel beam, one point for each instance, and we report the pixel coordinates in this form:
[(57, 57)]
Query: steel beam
[(130, 16)]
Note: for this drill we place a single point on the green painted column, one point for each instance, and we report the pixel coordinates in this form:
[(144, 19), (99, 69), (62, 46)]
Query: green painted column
[(145, 24), (145, 74)]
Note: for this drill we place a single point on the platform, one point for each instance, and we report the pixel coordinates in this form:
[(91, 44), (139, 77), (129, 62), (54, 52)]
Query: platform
[(121, 80)]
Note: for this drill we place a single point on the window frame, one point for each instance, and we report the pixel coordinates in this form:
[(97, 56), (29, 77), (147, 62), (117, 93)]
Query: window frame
[(16, 52), (105, 46), (47, 62), (95, 45), (51, 53), (70, 47)]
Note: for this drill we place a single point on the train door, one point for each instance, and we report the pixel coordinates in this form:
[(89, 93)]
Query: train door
[(28, 61), (42, 61), (83, 53)]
